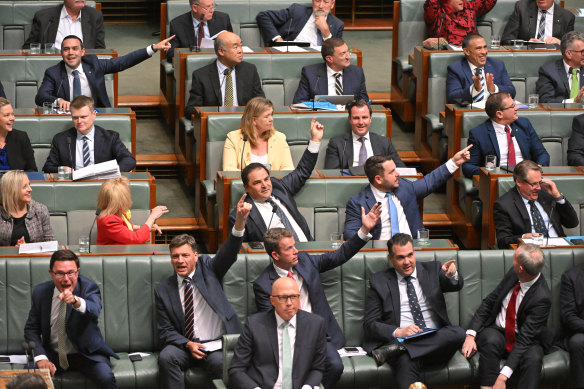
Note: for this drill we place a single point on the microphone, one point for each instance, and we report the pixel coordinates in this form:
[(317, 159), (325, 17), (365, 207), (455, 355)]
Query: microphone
[(288, 33), (32, 346), (225, 73), (43, 40), (314, 89), (69, 147), (547, 238), (63, 75), (242, 150), (97, 212), (440, 28), (274, 209), (25, 346), (342, 155)]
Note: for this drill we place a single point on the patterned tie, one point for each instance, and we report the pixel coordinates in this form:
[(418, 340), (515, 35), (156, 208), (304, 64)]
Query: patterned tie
[(228, 101), (511, 147), (189, 317), (86, 154), (575, 84), (200, 33), (538, 224), (286, 357), (393, 219), (362, 152), (62, 336), (76, 84), (338, 84), (290, 275), (541, 28), (283, 218), (510, 320), (414, 304), (481, 94)]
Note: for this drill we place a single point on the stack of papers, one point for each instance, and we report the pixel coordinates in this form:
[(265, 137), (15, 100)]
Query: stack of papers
[(100, 171), (289, 49), (38, 247)]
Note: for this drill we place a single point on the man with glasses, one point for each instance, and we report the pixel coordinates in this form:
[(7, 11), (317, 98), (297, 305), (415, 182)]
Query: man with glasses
[(562, 81), (504, 135), (305, 269), (62, 323), (301, 24), (202, 21), (526, 208)]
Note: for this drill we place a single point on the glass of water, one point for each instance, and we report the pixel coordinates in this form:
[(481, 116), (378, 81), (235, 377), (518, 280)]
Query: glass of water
[(490, 162), (537, 238), (423, 237), (35, 48), (533, 101), (84, 244), (336, 240), (495, 41)]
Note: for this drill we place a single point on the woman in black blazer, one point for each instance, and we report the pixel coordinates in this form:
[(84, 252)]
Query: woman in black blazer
[(16, 153)]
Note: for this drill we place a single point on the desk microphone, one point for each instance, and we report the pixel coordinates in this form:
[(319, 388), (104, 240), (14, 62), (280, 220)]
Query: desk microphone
[(32, 346), (440, 28), (274, 209), (288, 33), (547, 238), (69, 147), (225, 73), (97, 212), (43, 39), (314, 89), (242, 150), (63, 75), (25, 346)]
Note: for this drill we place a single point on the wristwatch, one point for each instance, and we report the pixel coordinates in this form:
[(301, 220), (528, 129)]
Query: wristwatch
[(562, 197)]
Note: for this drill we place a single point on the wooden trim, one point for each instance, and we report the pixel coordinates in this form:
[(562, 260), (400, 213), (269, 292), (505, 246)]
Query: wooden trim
[(162, 27), (98, 6)]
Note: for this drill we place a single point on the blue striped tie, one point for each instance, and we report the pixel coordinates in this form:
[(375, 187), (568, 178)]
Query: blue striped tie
[(189, 318), (541, 28), (86, 155)]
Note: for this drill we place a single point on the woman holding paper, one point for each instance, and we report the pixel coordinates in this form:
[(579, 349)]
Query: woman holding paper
[(15, 150), (113, 222), (23, 219)]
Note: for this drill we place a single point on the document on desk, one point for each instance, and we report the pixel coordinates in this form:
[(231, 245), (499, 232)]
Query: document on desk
[(99, 171), (246, 49), (289, 49), (550, 242), (213, 345), (38, 247)]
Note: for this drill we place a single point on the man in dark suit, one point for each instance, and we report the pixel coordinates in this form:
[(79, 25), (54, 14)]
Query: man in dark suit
[(301, 24), (51, 25), (527, 208), (260, 361), (79, 74), (398, 197), (510, 138), (576, 142), (305, 269), (510, 323), (572, 316), (201, 22), (272, 199), (407, 300), (191, 307), (353, 149), (227, 82), (87, 144), (62, 323), (336, 76), (562, 81), (538, 21), (474, 77)]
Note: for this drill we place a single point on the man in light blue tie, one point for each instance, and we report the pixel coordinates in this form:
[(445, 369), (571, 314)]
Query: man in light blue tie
[(398, 196)]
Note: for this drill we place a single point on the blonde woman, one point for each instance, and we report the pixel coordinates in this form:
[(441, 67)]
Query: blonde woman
[(264, 144), (113, 223), (23, 219)]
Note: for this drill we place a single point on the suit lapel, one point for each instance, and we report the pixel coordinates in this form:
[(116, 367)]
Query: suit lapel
[(532, 26), (322, 87), (73, 150), (466, 71), (493, 139), (46, 305), (255, 216), (64, 82), (528, 296), (522, 141), (521, 208), (98, 146), (272, 331), (348, 153), (176, 304), (54, 27), (189, 28), (239, 84), (394, 294), (214, 76), (563, 76), (88, 70), (200, 284)]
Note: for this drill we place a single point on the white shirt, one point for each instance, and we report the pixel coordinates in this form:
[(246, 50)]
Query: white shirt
[(549, 22), (406, 317), (263, 159), (331, 79), (272, 220), (222, 80), (546, 220), (85, 90), (567, 68), (357, 147), (473, 91), (68, 26), (503, 147), (79, 148), (308, 32), (304, 295)]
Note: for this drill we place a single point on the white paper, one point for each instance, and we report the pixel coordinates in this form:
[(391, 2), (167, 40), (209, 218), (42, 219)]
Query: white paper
[(21, 359), (143, 355), (99, 171), (407, 171), (207, 43), (38, 247), (213, 345), (357, 353), (551, 241), (455, 48), (246, 49), (318, 48), (290, 49)]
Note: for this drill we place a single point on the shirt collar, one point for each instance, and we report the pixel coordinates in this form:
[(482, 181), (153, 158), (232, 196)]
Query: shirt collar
[(89, 136), (330, 72), (281, 272), (567, 68), (499, 127), (550, 11), (526, 285), (180, 279), (65, 15), (70, 71), (379, 194), (195, 21), (413, 275), (280, 321), (356, 137), (221, 68)]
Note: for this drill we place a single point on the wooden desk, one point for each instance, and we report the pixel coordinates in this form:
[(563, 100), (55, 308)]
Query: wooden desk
[(8, 375), (371, 246), (97, 250)]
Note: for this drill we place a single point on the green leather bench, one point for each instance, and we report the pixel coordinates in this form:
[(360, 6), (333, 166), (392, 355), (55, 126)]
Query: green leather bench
[(128, 319)]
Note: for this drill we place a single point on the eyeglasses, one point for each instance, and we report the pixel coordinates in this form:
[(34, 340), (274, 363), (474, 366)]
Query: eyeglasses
[(577, 51), (509, 107), (61, 275), (533, 185), (206, 9), (284, 298)]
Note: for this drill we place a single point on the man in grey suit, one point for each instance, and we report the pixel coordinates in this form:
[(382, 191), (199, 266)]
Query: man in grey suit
[(296, 337), (191, 307), (353, 149)]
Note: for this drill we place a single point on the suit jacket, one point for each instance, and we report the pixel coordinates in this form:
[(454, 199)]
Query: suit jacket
[(112, 229), (340, 150), (82, 329), (484, 141), (523, 22), (2, 93), (279, 156), (289, 22), (206, 88), (552, 85), (256, 355), (107, 146), (56, 83), (532, 314), (408, 193), (183, 29), (459, 79), (19, 152), (209, 273), (512, 216), (309, 267), (382, 307), (572, 301), (313, 81), (576, 142), (46, 23), (284, 189), (37, 222)]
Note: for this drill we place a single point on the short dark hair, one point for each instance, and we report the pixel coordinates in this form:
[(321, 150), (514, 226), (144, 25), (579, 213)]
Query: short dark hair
[(399, 239), (495, 103), (72, 37), (181, 240), (358, 104), (568, 38), (63, 255), (522, 169), (249, 168), (328, 47), (83, 101), (27, 381), (469, 37), (374, 166), (272, 239)]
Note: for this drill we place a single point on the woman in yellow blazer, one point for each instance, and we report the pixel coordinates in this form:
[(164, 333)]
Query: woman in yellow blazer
[(264, 144)]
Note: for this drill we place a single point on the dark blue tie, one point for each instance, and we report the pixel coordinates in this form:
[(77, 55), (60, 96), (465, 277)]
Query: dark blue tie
[(76, 84), (283, 218), (538, 224), (414, 304)]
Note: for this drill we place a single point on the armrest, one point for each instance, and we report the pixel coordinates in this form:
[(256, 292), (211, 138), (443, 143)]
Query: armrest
[(465, 186), (167, 66), (187, 124), (403, 64), (433, 122), (209, 187)]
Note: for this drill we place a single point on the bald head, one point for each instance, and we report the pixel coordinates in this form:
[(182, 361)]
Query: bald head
[(285, 297), (229, 49)]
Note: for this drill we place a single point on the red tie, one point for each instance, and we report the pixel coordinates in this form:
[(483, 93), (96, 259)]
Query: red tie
[(510, 320), (200, 34), (511, 146), (291, 276)]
